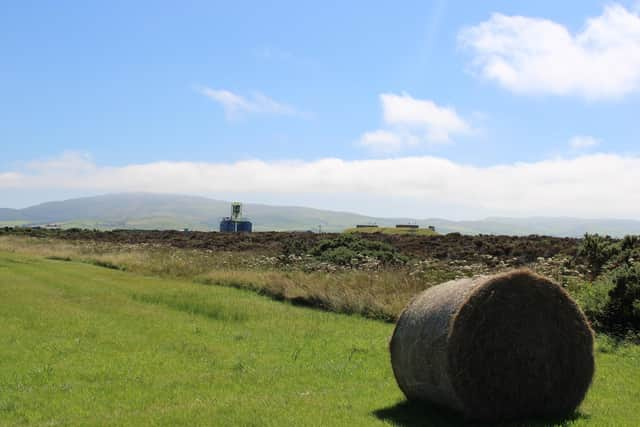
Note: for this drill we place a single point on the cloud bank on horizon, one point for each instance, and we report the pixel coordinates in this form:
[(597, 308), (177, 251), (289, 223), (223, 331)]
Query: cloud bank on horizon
[(597, 185)]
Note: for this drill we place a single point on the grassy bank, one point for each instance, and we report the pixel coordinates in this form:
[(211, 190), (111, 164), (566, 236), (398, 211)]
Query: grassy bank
[(379, 294), (83, 345), (372, 290)]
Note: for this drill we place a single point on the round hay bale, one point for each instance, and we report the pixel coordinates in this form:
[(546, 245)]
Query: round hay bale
[(501, 347)]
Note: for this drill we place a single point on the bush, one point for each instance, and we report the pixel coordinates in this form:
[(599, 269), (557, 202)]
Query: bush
[(346, 249), (628, 253), (597, 251), (630, 243), (593, 298), (622, 312), (295, 247), (340, 255)]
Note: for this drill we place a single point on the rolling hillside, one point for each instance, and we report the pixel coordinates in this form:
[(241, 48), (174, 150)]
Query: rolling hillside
[(160, 211)]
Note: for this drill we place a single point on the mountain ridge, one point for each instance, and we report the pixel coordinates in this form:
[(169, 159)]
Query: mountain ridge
[(166, 211)]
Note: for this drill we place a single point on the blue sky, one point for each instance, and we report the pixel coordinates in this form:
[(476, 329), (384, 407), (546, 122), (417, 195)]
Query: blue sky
[(240, 99)]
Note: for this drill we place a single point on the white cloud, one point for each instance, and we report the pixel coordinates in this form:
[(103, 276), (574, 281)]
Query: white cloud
[(598, 185), (534, 55), (69, 160), (381, 140), (10, 179), (384, 141), (235, 105), (580, 142), (438, 122), (411, 121)]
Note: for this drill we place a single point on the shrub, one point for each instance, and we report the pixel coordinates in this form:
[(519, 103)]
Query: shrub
[(597, 251), (341, 255), (630, 243), (628, 253), (295, 247), (622, 312), (593, 298), (346, 249)]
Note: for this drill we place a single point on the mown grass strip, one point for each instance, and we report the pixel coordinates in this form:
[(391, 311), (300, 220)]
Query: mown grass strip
[(193, 304)]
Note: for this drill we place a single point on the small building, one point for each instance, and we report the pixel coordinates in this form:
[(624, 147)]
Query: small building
[(409, 226), (236, 223), (228, 225), (366, 226)]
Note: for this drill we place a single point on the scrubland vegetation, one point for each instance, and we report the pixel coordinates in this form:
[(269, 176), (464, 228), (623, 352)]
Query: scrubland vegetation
[(323, 280), (373, 277), (342, 274), (615, 268), (154, 333)]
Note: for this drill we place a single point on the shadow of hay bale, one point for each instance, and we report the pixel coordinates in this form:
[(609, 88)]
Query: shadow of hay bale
[(414, 414), (418, 414)]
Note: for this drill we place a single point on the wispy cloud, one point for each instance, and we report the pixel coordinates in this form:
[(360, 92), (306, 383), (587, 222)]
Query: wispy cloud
[(235, 105), (580, 142), (594, 184), (411, 121), (532, 55), (384, 141)]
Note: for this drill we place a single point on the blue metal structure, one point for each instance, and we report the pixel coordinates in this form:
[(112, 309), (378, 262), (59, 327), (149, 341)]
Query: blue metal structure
[(235, 223), (227, 225)]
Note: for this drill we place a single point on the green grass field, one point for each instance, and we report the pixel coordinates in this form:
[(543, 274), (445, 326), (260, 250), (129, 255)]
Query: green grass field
[(86, 345)]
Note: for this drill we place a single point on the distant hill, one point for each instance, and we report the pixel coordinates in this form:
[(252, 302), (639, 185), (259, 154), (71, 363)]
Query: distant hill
[(161, 211), (549, 226)]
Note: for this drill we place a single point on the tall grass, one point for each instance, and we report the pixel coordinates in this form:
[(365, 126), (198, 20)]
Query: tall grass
[(379, 294)]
